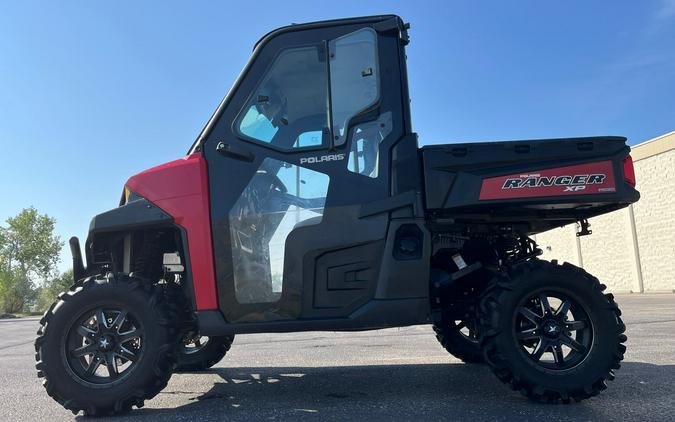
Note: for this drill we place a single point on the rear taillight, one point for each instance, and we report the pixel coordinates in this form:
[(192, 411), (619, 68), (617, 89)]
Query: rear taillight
[(629, 170)]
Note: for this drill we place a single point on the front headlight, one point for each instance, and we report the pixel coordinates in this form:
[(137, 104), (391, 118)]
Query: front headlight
[(128, 196)]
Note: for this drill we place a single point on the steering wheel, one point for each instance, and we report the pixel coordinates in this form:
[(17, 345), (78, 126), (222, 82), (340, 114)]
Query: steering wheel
[(277, 183)]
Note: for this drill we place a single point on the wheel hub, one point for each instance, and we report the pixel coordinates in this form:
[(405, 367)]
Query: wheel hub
[(106, 343), (551, 329)]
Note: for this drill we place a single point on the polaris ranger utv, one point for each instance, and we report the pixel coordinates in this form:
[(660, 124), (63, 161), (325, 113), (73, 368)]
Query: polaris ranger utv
[(306, 204)]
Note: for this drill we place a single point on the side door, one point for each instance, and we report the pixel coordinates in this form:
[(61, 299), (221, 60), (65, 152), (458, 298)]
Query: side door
[(300, 145)]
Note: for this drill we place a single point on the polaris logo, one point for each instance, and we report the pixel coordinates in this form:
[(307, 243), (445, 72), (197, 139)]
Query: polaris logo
[(322, 158), (571, 183)]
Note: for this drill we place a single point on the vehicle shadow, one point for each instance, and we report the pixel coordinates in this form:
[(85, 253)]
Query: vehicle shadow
[(408, 392)]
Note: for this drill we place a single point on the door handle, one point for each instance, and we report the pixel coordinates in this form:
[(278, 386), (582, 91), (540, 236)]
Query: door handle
[(234, 152)]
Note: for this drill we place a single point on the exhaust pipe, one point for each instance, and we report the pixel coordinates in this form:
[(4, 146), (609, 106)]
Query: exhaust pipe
[(78, 265)]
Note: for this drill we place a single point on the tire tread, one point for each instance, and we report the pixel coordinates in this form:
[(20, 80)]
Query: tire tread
[(489, 315)]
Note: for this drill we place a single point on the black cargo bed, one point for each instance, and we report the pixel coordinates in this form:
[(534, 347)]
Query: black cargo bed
[(544, 183)]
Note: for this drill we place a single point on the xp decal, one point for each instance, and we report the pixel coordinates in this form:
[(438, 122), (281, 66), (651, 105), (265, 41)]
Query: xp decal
[(592, 178)]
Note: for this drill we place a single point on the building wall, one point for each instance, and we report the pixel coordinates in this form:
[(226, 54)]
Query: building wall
[(655, 220), (608, 252), (631, 250), (560, 244)]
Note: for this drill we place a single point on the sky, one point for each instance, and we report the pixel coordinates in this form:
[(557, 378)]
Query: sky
[(94, 92)]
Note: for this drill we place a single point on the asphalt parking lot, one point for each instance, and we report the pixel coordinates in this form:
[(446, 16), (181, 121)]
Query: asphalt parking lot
[(394, 374)]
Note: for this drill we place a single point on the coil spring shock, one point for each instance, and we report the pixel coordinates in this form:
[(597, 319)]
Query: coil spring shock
[(513, 249), (148, 262)]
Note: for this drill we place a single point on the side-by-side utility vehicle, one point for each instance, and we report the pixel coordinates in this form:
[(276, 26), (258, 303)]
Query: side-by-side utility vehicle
[(306, 204)]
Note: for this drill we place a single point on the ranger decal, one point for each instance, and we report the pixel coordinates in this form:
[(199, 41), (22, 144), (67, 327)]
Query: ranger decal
[(592, 178)]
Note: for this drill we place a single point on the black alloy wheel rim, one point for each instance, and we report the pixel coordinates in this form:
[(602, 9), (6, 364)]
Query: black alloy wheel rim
[(467, 328), (104, 345), (553, 330), (194, 344)]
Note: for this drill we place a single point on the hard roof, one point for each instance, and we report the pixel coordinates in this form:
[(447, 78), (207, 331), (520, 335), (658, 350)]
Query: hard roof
[(318, 24)]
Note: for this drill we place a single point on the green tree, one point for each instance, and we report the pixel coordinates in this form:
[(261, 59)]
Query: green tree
[(29, 252), (51, 289)]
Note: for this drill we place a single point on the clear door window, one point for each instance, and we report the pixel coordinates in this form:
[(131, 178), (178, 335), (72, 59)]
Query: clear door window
[(354, 77), (291, 98), (279, 198), (255, 125), (364, 153), (309, 139)]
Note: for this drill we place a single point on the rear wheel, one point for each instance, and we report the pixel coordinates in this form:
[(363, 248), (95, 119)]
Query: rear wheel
[(198, 353), (107, 344), (550, 332)]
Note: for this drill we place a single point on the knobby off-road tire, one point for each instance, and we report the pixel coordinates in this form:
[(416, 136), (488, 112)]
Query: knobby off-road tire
[(199, 357), (463, 347), (129, 305), (508, 299)]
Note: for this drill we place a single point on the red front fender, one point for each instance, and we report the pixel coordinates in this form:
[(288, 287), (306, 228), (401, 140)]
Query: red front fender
[(181, 189)]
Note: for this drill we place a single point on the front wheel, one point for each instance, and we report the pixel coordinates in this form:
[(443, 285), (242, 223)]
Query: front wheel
[(107, 344), (550, 332)]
